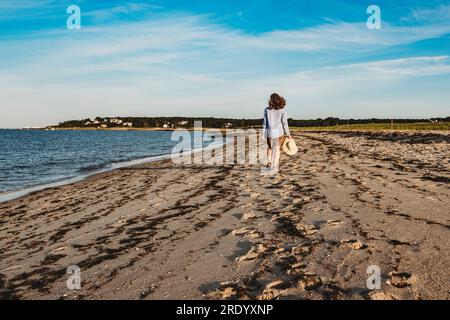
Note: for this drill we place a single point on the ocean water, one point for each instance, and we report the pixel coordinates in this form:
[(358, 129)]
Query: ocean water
[(30, 159)]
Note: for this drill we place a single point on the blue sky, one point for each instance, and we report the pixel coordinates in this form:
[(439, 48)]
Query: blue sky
[(222, 58)]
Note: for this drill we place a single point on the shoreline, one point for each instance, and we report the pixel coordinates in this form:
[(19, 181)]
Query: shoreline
[(17, 194)]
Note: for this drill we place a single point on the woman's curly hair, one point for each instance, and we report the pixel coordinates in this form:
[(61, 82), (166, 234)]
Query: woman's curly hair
[(276, 101)]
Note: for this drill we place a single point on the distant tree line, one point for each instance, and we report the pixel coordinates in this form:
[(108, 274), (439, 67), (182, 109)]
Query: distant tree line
[(188, 122)]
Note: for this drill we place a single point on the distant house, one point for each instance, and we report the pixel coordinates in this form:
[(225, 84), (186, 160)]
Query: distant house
[(104, 126), (87, 123), (96, 122), (228, 125), (116, 121), (183, 123), (127, 124), (165, 125)]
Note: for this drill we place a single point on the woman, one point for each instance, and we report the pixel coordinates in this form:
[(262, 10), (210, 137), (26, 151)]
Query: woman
[(275, 129)]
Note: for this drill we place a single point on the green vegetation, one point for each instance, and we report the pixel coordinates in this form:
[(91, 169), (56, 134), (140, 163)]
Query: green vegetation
[(382, 126), (314, 124)]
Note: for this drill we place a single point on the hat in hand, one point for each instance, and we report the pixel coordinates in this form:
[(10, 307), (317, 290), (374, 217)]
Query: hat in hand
[(289, 147)]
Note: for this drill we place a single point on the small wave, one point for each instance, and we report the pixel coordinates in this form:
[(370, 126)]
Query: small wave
[(93, 167)]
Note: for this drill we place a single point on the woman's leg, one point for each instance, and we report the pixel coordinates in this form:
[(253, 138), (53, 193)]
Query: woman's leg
[(269, 152), (276, 151)]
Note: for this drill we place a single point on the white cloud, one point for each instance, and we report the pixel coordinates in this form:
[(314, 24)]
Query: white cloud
[(440, 13), (129, 8)]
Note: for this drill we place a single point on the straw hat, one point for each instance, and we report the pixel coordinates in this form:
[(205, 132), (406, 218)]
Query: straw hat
[(289, 147)]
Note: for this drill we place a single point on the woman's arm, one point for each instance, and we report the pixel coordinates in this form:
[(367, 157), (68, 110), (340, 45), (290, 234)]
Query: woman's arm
[(264, 123), (284, 122)]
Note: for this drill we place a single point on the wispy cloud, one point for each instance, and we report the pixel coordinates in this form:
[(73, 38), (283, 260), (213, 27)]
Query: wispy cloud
[(178, 39), (116, 12), (440, 14)]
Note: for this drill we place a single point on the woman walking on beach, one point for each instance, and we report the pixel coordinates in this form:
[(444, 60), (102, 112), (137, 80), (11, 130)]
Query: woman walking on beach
[(275, 129)]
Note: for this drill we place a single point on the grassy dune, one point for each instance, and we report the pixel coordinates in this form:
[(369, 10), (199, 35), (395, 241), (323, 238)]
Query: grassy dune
[(383, 126)]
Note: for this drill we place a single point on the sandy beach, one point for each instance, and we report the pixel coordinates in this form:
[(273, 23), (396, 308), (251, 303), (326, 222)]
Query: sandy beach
[(346, 201)]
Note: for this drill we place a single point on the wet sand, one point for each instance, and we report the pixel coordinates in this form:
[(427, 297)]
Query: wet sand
[(346, 201)]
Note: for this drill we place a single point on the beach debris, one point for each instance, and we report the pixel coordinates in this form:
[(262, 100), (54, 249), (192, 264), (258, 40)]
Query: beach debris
[(147, 292), (240, 232), (309, 281), (381, 295), (298, 265), (358, 245), (224, 232), (280, 250), (59, 249), (301, 250), (333, 223), (248, 193), (307, 229), (12, 268), (401, 279), (226, 290), (251, 255), (255, 234), (354, 244), (297, 268), (249, 216), (269, 294), (262, 247), (229, 293), (278, 284)]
